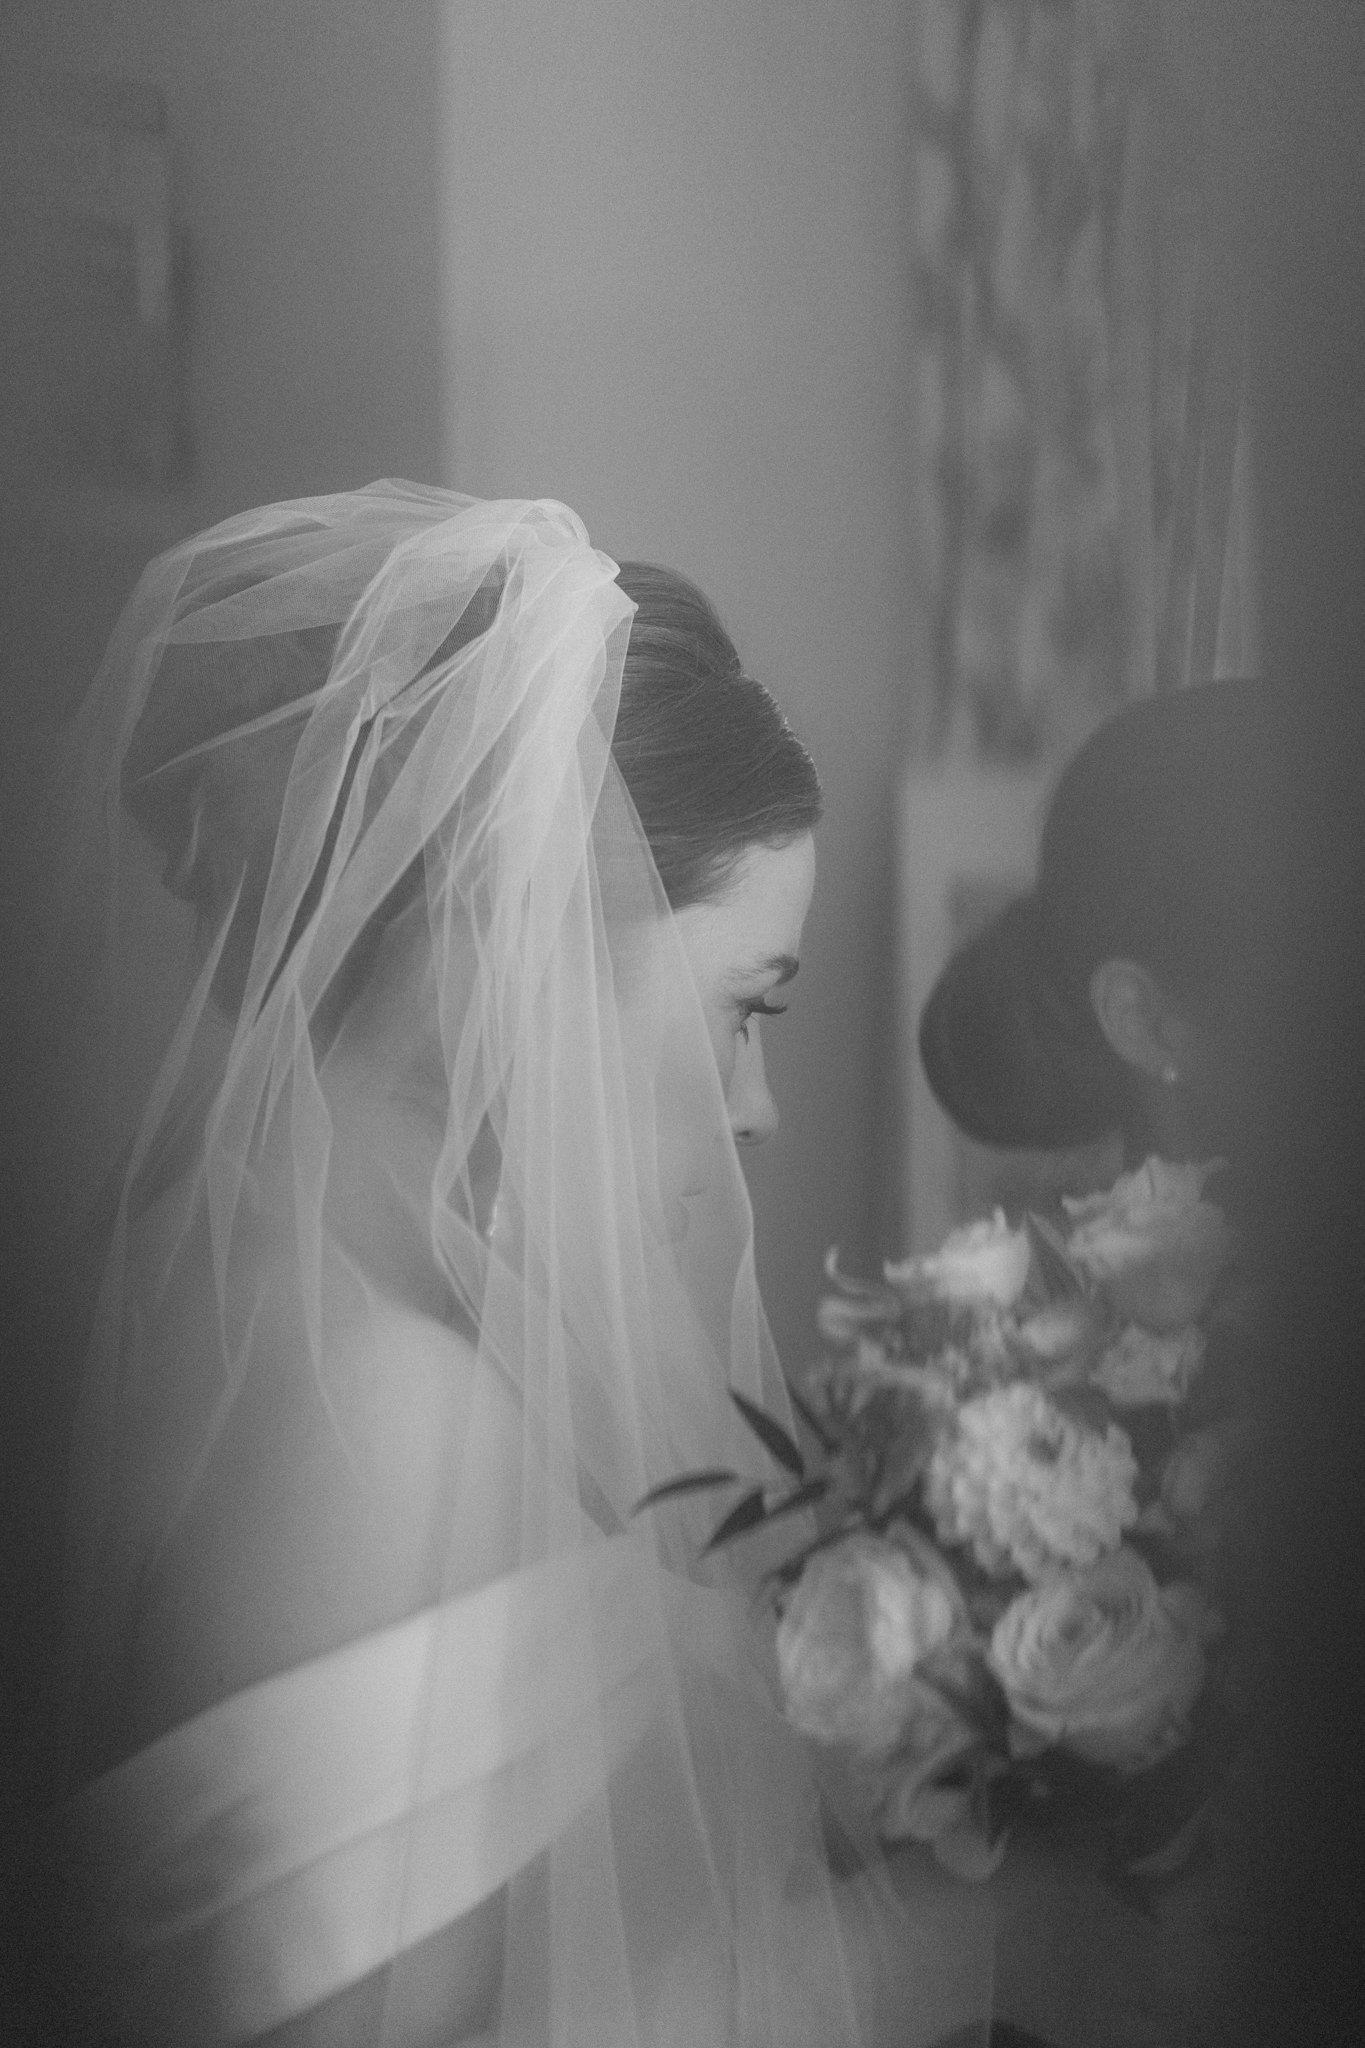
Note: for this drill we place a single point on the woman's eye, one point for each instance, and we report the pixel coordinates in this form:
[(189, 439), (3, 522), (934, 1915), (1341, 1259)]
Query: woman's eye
[(757, 1007)]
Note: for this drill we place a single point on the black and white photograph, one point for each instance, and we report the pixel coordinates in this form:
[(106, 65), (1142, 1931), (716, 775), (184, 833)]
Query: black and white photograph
[(683, 811)]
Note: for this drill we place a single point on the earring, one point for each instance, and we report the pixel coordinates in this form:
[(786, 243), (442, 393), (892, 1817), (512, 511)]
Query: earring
[(1170, 1074)]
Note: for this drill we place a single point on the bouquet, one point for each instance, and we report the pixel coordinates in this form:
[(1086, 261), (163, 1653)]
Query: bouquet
[(1010, 1602)]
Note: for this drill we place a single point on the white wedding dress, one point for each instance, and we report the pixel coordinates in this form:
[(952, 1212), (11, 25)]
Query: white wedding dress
[(389, 1722)]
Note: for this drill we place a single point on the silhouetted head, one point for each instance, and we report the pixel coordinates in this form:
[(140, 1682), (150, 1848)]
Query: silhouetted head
[(1127, 991)]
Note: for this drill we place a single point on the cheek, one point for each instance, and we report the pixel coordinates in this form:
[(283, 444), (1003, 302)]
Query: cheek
[(689, 1107), (726, 1046), (684, 1164), (718, 1015)]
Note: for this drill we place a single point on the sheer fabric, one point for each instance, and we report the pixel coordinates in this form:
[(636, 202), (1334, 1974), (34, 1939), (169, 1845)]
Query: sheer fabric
[(384, 1708)]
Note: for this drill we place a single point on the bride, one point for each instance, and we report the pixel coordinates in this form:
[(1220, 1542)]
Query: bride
[(431, 1254)]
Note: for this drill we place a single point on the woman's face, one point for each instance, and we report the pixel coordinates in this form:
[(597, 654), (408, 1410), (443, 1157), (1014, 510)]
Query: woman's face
[(742, 949)]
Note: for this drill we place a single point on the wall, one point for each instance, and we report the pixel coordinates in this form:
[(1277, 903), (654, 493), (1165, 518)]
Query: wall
[(304, 168), (677, 299), (305, 174)]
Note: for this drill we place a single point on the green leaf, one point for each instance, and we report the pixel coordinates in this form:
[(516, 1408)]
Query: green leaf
[(791, 1568), (746, 1514), (989, 1812), (907, 1449), (1062, 1276), (803, 1496), (771, 1435), (687, 1482), (960, 1676), (788, 1572), (813, 1422)]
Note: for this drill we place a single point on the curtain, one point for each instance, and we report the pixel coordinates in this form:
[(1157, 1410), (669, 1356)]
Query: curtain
[(1084, 489)]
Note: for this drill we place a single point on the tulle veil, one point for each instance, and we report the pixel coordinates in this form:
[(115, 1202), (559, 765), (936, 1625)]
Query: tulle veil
[(397, 1321)]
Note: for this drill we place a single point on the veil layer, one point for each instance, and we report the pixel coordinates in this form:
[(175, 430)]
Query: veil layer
[(406, 1302)]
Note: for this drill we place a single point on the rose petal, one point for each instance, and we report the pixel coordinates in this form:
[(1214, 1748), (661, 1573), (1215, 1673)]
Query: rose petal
[(965, 1852), (926, 1813)]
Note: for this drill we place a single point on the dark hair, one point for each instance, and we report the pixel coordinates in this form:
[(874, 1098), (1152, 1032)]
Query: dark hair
[(710, 763), (1164, 844)]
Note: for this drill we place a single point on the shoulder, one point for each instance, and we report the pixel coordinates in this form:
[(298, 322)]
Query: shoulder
[(408, 1434), (405, 1372), (434, 1430), (352, 1483)]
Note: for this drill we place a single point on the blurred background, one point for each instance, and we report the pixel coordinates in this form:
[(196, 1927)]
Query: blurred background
[(905, 330), (986, 361)]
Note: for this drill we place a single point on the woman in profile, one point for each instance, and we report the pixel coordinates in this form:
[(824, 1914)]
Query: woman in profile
[(1134, 994), (389, 1723), (1138, 1000)]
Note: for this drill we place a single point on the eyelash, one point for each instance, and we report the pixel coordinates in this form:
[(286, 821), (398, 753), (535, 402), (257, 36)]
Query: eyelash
[(758, 1008)]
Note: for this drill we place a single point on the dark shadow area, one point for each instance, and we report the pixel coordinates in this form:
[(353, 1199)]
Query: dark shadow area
[(290, 344), (1294, 85)]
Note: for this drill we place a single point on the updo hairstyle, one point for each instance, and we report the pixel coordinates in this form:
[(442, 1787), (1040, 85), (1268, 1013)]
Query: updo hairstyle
[(1163, 845), (709, 762)]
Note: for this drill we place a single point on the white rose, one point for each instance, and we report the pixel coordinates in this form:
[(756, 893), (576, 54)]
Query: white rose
[(985, 1262), (859, 1620), (1141, 1367), (1107, 1664), (1153, 1242)]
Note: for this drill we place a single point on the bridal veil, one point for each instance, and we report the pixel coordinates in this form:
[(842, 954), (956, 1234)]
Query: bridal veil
[(400, 1315)]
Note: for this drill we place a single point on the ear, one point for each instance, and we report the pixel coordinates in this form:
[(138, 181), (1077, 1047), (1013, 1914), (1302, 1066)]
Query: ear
[(1139, 1020)]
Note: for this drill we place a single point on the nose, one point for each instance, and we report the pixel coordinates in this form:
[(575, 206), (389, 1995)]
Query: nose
[(753, 1113)]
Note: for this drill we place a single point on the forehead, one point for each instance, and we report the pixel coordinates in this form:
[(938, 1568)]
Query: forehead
[(759, 916)]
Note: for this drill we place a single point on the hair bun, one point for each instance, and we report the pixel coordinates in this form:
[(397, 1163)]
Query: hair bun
[(1011, 1055), (207, 768)]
